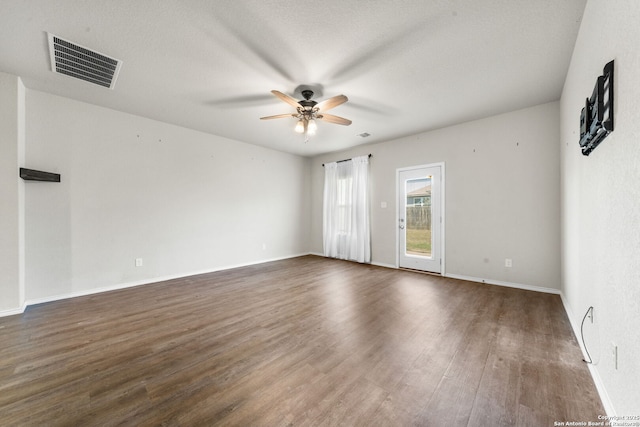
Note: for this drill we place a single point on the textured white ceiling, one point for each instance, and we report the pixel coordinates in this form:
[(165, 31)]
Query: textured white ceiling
[(407, 66)]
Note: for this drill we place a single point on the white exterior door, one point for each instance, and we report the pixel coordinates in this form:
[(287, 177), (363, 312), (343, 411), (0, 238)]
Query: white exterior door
[(420, 218)]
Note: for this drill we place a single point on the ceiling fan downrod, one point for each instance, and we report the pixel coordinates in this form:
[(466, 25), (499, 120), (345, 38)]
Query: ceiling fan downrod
[(307, 102)]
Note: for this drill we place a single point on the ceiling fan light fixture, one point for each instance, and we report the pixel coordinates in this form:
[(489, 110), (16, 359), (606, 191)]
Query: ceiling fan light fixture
[(312, 127), (300, 126)]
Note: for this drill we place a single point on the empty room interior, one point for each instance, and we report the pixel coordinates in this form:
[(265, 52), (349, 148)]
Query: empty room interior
[(180, 244)]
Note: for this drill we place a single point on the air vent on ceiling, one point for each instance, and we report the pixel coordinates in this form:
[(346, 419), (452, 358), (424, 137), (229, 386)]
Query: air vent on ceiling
[(76, 61)]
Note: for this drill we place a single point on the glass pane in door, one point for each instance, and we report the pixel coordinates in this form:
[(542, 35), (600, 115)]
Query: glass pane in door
[(418, 217)]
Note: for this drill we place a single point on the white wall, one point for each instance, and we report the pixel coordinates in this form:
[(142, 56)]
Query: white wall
[(183, 201), (502, 195), (12, 112), (601, 202)]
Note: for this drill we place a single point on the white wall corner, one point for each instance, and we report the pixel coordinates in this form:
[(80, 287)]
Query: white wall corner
[(12, 218), (21, 110)]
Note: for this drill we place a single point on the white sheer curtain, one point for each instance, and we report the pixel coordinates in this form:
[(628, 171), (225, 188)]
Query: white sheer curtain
[(346, 210)]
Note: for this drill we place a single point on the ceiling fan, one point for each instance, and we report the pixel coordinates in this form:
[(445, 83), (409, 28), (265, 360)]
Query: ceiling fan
[(308, 111)]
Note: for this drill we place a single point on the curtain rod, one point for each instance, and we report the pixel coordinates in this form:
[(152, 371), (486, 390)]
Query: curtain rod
[(346, 160)]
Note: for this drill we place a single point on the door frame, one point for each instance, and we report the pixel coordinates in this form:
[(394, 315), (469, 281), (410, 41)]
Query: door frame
[(442, 211)]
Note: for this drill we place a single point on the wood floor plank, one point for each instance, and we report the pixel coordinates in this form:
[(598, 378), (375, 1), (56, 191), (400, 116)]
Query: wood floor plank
[(303, 341)]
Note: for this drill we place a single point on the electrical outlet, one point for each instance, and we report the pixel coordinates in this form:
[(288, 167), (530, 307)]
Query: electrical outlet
[(508, 262), (614, 355), (138, 262)]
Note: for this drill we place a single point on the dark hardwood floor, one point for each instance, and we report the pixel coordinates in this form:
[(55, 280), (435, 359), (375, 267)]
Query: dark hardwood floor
[(305, 341)]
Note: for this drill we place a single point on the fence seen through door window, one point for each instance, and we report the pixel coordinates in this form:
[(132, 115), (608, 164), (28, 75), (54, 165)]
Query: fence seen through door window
[(418, 217)]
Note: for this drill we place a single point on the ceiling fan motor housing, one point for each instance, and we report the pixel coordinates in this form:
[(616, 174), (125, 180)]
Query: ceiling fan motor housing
[(307, 102)]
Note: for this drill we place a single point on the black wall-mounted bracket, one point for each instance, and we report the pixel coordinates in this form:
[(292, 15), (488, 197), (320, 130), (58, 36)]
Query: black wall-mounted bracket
[(596, 118), (34, 175)]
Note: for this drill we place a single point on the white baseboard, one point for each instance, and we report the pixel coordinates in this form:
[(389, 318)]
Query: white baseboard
[(602, 391), (474, 279), (126, 285), (505, 284), (597, 380), (382, 264), (379, 264), (13, 311)]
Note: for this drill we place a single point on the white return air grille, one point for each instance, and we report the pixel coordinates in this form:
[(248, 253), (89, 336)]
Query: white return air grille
[(81, 63)]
